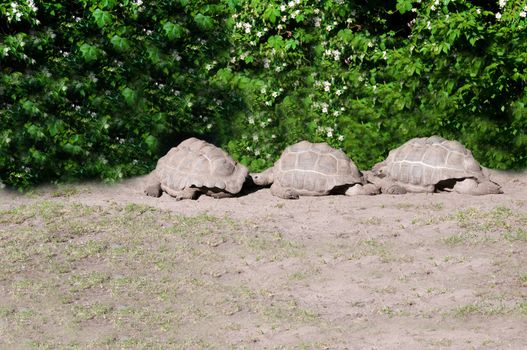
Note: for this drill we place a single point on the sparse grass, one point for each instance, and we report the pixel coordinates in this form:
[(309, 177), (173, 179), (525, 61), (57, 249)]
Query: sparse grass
[(487, 227), (430, 206), (372, 247), (523, 279), (136, 270), (497, 305), (374, 220), (132, 276)]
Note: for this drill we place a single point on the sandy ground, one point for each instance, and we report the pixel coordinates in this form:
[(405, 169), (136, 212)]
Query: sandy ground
[(414, 271)]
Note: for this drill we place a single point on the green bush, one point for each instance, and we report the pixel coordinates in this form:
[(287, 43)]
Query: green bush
[(101, 89), (96, 88), (368, 78)]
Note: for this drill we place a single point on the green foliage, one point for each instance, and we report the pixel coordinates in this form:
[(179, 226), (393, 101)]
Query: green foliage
[(103, 88), (367, 78)]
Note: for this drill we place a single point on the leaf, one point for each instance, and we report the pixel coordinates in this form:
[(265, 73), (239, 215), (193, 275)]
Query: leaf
[(120, 43), (154, 55), (345, 34), (102, 18), (271, 13), (108, 3), (89, 52), (204, 22), (151, 141), (35, 131), (404, 6), (129, 95), (173, 31), (291, 44), (276, 42)]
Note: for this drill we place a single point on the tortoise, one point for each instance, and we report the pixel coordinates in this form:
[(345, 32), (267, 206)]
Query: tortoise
[(429, 165), (195, 167), (313, 169)]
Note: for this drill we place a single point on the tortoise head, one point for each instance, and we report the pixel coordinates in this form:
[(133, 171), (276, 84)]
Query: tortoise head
[(379, 169), (264, 178)]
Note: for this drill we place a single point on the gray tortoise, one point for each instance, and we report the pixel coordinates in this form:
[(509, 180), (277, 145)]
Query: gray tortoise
[(195, 167), (432, 164), (313, 169)]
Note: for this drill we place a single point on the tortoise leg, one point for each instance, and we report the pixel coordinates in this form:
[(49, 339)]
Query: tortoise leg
[(471, 186), (281, 192), (187, 193), (153, 186), (391, 187), (358, 189)]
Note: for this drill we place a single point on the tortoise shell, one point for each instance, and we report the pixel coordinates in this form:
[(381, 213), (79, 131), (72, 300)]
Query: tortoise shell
[(315, 168), (427, 161), (196, 163)]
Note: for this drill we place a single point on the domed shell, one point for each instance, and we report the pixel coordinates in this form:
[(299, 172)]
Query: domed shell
[(196, 163), (315, 168), (427, 161)]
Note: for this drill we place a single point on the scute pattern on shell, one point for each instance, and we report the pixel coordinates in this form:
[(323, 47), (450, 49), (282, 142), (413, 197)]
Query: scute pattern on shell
[(315, 167), (427, 161), (198, 163)]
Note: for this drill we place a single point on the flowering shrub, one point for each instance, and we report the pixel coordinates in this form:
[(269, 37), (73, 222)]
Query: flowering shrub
[(101, 88), (366, 79), (94, 88)]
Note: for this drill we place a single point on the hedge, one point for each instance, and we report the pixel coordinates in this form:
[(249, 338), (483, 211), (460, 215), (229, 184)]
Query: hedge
[(101, 89)]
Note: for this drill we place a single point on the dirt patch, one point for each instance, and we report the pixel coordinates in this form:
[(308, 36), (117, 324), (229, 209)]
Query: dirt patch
[(91, 266)]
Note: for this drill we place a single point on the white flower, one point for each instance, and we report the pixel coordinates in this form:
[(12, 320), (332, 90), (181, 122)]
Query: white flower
[(255, 137), (324, 109), (338, 92), (328, 28), (282, 8), (291, 4), (316, 11), (478, 11), (251, 120), (523, 14), (259, 34), (341, 138), (498, 16), (274, 94), (502, 3), (247, 27)]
